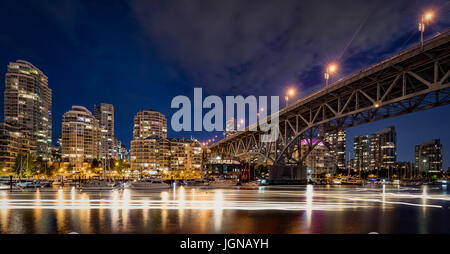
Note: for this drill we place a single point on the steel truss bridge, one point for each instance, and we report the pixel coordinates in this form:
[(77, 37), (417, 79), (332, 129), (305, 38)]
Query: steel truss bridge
[(412, 80)]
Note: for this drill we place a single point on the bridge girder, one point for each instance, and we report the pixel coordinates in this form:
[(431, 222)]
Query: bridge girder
[(413, 80)]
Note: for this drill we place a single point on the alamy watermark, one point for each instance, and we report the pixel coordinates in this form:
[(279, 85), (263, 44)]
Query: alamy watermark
[(213, 120)]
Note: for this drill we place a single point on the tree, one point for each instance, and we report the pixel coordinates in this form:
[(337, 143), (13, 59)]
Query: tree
[(70, 168), (2, 166), (110, 164), (121, 166), (52, 169), (39, 165), (24, 165), (95, 163), (261, 171)]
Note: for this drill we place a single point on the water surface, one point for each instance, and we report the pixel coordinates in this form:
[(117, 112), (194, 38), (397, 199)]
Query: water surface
[(300, 209)]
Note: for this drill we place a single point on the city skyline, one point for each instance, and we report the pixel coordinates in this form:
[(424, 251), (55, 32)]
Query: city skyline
[(349, 140), (117, 74), (237, 120)]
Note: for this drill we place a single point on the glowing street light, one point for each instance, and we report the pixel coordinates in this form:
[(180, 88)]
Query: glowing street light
[(332, 68), (290, 92), (260, 110), (425, 17)]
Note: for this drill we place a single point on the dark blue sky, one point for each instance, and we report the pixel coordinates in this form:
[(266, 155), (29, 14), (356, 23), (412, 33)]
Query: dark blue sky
[(140, 54)]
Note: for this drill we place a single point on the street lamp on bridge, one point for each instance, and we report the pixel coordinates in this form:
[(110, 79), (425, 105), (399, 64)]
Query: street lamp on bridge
[(425, 17), (290, 92), (332, 68)]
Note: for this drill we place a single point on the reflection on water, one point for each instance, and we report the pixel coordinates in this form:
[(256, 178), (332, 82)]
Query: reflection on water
[(309, 205), (218, 209), (288, 209), (4, 212)]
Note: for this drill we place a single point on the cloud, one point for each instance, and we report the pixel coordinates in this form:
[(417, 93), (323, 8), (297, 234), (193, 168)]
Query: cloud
[(239, 46)]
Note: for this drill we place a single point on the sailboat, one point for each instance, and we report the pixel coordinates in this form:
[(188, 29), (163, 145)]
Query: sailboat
[(98, 184), (221, 182), (196, 182), (149, 184), (26, 184)]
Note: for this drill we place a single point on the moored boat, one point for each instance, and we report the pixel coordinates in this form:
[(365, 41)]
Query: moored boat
[(223, 183), (250, 183), (45, 184), (97, 185), (352, 182), (149, 184), (28, 184), (196, 183), (336, 181)]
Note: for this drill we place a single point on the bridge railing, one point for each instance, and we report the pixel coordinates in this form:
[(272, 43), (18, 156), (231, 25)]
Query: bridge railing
[(435, 37)]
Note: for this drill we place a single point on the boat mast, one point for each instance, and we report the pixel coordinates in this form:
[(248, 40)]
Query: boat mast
[(20, 167), (104, 168)]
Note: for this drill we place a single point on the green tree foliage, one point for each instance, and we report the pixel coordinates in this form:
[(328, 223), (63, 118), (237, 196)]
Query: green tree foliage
[(261, 171), (24, 165), (51, 170), (121, 166), (95, 163), (40, 166), (2, 164)]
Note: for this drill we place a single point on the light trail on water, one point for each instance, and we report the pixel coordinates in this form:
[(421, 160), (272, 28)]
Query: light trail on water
[(306, 199)]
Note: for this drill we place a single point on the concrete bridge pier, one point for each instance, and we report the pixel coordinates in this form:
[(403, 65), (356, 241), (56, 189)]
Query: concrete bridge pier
[(287, 174)]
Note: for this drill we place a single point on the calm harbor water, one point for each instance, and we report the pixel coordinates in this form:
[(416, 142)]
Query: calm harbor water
[(288, 209)]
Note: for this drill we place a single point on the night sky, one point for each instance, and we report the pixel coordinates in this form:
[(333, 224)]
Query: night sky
[(140, 54)]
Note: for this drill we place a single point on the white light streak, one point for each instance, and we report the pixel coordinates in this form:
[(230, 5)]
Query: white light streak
[(307, 199)]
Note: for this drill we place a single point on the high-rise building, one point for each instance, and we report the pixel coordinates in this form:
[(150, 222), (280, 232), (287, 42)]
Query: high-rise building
[(80, 137), (104, 113), (319, 160), (361, 152), (177, 155), (150, 128), (404, 170), (121, 151), (428, 157), (12, 143), (195, 155), (28, 105), (376, 151), (383, 149), (185, 156), (152, 151), (164, 154), (145, 155), (337, 144), (149, 123), (156, 154)]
